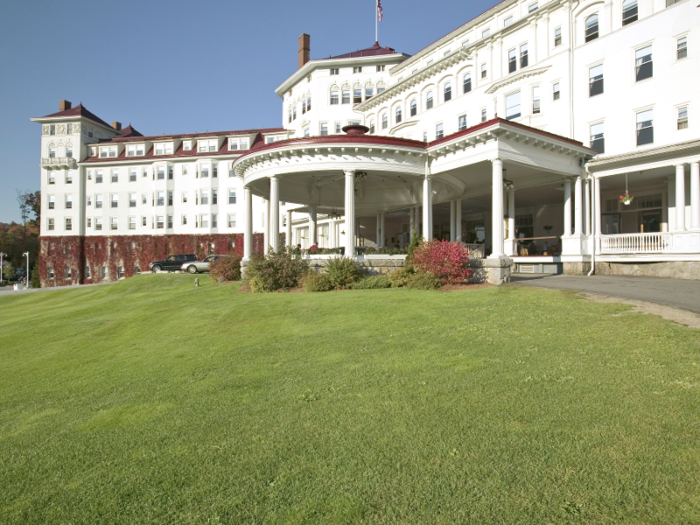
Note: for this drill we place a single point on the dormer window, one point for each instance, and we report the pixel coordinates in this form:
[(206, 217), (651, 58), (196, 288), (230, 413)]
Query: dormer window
[(206, 145), (244, 143), (108, 151), (232, 144), (134, 150), (187, 145), (93, 151), (164, 148)]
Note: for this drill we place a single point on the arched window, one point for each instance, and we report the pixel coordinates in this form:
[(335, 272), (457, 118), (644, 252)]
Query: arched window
[(592, 27), (371, 127), (334, 97), (414, 107), (398, 115), (467, 82), (346, 96), (385, 121), (429, 100), (629, 12), (448, 92)]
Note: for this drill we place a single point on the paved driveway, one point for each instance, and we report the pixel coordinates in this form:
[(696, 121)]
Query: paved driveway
[(676, 293)]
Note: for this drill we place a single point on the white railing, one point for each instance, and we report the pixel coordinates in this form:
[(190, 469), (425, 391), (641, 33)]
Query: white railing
[(58, 162), (636, 243), (476, 251)]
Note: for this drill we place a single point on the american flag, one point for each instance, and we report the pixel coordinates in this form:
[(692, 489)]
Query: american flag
[(379, 10)]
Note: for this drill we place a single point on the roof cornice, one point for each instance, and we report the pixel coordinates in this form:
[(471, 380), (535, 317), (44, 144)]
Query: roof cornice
[(607, 160), (516, 78)]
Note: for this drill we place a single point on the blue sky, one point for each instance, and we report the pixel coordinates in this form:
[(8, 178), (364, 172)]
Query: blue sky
[(178, 67)]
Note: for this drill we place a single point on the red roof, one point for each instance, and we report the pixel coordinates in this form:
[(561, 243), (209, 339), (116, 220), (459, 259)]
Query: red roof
[(78, 111), (375, 50), (129, 131), (141, 138)]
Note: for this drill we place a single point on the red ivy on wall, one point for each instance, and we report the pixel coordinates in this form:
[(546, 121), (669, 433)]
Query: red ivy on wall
[(131, 253)]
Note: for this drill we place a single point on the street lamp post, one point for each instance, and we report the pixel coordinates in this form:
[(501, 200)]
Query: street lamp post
[(27, 277), (1, 256)]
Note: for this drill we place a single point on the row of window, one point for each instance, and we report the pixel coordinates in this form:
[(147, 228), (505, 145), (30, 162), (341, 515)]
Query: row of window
[(357, 69), (68, 272), (158, 198), (630, 13), (51, 174), (159, 173), (157, 222), (166, 148), (52, 152), (356, 95)]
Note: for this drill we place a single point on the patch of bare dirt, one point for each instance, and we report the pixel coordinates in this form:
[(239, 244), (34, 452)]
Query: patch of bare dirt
[(676, 315)]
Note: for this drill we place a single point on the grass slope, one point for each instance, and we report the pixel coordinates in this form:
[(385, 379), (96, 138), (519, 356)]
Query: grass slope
[(151, 401)]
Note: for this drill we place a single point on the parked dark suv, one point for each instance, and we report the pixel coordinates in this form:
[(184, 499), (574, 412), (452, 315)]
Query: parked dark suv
[(171, 262)]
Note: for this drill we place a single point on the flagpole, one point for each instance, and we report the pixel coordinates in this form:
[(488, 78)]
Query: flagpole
[(376, 21)]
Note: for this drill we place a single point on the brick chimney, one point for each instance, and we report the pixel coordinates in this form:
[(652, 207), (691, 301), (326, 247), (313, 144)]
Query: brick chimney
[(63, 105), (304, 49), (117, 125)]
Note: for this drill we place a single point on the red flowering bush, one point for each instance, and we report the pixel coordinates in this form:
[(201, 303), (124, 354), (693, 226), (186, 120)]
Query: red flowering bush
[(447, 260)]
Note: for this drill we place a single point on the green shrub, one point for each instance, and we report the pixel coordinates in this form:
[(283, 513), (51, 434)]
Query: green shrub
[(372, 282), (399, 278), (227, 268), (316, 282), (342, 272), (36, 281), (275, 271), (424, 281), (415, 242)]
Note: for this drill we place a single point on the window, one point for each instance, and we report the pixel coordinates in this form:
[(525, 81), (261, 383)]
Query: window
[(98, 201), (598, 137), (595, 81), (532, 7), (683, 117), (380, 88), (513, 106), (183, 197), (207, 145), (160, 198), (133, 150), (232, 220), (213, 220), (69, 202), (98, 223), (88, 200), (385, 121), (214, 171), (50, 224), (303, 106), (357, 69), (512, 61), (170, 198), (483, 115), (161, 173), (335, 71), (508, 21), (87, 272), (215, 196), (232, 196), (187, 145), (183, 220), (398, 115), (294, 112), (132, 200), (69, 177), (144, 198), (114, 200), (204, 171), (143, 221), (132, 175), (536, 100), (98, 177), (371, 127), (346, 96), (49, 272), (338, 125), (69, 224), (484, 71), (467, 84), (52, 177), (414, 107), (244, 143), (307, 132), (103, 272), (170, 221), (425, 136), (682, 47), (52, 153), (67, 272), (69, 152), (90, 132), (448, 91), (52, 202), (113, 223), (324, 129), (144, 174), (115, 176), (645, 127), (462, 122), (429, 100), (369, 92), (486, 32), (439, 131), (643, 64), (89, 222), (204, 221), (52, 129), (556, 94), (204, 197), (629, 12), (380, 69), (357, 95), (557, 37), (160, 222), (523, 56), (592, 27), (334, 97)]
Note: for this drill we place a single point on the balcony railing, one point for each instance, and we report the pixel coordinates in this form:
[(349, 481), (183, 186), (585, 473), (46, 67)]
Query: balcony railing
[(58, 163), (631, 243)]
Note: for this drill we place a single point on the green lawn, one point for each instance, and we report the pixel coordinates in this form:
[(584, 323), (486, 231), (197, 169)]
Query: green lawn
[(152, 401)]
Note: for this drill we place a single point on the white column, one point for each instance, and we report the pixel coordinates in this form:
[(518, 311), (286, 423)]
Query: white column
[(288, 236), (497, 209), (567, 208), (578, 208), (695, 195), (267, 224), (458, 221), (350, 213), (453, 232), (313, 227), (411, 222), (587, 207), (382, 217), (510, 249), (680, 197), (427, 208), (248, 234), (596, 201), (274, 213)]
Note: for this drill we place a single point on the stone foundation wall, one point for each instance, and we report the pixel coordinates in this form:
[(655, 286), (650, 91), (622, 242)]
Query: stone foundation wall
[(576, 268), (672, 269)]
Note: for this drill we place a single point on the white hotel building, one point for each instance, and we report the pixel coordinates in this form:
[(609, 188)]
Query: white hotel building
[(518, 132)]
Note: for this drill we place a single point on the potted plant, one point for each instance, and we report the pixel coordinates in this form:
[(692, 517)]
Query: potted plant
[(626, 199)]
